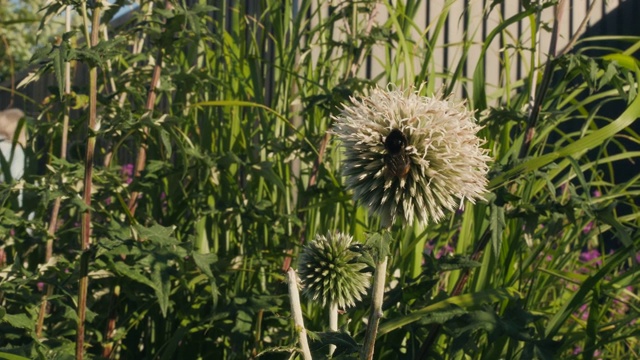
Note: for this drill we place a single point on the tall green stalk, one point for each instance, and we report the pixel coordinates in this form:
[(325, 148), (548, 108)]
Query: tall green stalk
[(377, 297), (85, 234)]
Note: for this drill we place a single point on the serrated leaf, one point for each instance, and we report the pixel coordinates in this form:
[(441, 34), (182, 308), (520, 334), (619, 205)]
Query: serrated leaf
[(166, 142), (456, 262), (59, 59), (162, 285), (132, 273), (21, 321), (157, 234), (379, 243), (204, 262)]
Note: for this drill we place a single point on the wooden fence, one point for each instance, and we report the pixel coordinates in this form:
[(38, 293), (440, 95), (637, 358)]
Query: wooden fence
[(467, 22)]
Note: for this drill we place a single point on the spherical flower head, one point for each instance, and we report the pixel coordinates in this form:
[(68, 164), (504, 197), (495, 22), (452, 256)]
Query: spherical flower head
[(330, 271), (409, 156)]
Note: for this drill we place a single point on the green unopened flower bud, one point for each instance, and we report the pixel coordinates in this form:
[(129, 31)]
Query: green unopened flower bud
[(330, 271)]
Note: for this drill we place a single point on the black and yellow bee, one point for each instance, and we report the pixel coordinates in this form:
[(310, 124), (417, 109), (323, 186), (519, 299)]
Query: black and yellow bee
[(396, 161)]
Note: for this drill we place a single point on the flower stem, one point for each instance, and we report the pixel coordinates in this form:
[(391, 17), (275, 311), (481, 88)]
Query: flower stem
[(333, 324), (296, 313), (376, 310)]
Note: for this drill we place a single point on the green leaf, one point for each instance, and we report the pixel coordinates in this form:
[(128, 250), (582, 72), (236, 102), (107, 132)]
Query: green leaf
[(157, 234), (133, 274), (462, 301), (579, 147), (21, 321), (166, 142), (204, 262), (59, 58), (265, 169), (162, 284), (379, 243), (497, 227), (345, 343), (455, 262), (8, 356)]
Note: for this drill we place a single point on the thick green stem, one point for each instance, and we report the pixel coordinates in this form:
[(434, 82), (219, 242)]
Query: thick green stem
[(296, 314), (376, 310)]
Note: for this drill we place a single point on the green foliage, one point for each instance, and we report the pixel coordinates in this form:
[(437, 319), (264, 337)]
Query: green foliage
[(21, 34), (239, 174)]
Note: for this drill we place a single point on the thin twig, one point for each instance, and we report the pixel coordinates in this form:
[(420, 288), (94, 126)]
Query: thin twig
[(579, 31), (534, 111)]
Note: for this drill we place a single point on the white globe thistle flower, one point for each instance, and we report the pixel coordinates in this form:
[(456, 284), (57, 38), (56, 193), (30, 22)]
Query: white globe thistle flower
[(409, 156), (330, 270)]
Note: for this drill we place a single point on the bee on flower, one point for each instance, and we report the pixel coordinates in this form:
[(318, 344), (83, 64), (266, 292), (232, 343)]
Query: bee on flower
[(408, 156)]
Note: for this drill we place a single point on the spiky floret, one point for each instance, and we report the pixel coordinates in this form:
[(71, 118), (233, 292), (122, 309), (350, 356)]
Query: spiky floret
[(330, 271), (446, 163)]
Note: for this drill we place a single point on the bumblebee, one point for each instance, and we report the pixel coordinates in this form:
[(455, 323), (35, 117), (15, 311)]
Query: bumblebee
[(396, 160)]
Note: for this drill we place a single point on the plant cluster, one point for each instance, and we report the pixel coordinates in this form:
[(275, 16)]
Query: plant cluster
[(184, 161)]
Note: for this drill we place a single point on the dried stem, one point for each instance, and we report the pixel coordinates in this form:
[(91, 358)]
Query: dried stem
[(92, 128), (580, 30), (536, 97), (141, 159), (51, 230)]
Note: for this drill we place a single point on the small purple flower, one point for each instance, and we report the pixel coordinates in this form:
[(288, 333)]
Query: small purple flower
[(596, 193), (596, 354), (127, 172), (587, 228), (583, 312), (577, 350), (40, 286), (590, 255), (445, 250)]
